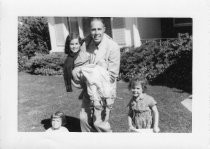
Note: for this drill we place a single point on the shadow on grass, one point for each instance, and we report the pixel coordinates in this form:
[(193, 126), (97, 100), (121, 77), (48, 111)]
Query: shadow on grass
[(72, 124)]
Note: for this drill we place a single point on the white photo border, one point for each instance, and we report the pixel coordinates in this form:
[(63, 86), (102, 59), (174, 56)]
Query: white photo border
[(197, 10)]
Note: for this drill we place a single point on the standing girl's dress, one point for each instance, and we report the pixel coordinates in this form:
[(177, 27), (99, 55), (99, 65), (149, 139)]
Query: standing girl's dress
[(140, 111)]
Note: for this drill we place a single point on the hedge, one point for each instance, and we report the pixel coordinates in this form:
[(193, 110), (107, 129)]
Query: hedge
[(22, 60), (51, 64), (153, 58)]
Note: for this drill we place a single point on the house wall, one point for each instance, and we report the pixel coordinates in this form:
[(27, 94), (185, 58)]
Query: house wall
[(149, 28), (125, 31), (130, 31), (73, 28), (170, 30), (119, 31), (58, 27)]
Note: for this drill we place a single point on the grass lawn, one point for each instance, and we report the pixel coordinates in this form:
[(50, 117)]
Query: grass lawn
[(40, 96)]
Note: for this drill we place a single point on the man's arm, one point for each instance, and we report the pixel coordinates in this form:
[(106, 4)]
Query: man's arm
[(82, 57), (114, 63)]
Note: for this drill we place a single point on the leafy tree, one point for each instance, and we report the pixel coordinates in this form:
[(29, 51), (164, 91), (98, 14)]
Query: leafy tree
[(33, 36)]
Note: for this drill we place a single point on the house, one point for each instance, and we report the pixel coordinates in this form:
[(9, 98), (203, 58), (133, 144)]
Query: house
[(126, 32)]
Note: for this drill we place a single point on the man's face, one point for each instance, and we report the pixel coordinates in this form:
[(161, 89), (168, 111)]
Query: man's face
[(97, 31)]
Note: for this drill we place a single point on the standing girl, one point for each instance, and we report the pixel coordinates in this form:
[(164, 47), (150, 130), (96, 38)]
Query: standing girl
[(143, 115), (72, 48)]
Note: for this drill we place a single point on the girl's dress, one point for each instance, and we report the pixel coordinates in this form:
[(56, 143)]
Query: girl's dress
[(140, 111), (67, 70), (62, 129)]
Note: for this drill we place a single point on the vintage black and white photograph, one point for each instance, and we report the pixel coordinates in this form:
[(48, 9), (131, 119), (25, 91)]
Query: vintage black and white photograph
[(105, 74)]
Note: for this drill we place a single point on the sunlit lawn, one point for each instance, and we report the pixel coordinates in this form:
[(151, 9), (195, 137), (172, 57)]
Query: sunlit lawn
[(40, 96)]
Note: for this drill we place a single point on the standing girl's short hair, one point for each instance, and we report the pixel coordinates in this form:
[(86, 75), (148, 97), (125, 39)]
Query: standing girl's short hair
[(136, 80), (68, 40), (60, 115)]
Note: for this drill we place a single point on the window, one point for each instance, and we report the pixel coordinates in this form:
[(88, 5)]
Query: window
[(59, 31), (178, 22), (73, 25)]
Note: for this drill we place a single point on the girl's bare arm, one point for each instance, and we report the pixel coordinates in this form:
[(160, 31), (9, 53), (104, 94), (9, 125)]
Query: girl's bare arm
[(156, 118)]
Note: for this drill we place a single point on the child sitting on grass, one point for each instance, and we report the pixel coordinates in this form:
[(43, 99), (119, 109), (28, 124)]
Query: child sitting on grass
[(143, 115), (58, 121)]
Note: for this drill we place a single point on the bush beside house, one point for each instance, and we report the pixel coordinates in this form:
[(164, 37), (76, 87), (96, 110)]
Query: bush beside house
[(33, 37), (153, 59), (22, 60), (50, 64)]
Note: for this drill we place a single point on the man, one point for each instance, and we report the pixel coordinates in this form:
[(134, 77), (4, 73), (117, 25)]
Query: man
[(99, 47)]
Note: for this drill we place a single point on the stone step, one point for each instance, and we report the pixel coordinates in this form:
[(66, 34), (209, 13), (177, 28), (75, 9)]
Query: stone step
[(187, 103)]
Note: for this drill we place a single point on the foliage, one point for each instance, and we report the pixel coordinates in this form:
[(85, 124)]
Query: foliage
[(153, 58), (33, 37), (22, 60), (50, 64)]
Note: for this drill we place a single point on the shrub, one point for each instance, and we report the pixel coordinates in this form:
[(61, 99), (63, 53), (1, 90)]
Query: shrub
[(33, 37), (51, 64), (22, 60), (153, 58)]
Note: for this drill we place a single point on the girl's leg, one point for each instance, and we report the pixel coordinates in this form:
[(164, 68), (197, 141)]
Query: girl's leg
[(96, 104), (100, 124), (102, 114), (97, 116), (108, 107), (86, 118), (85, 127)]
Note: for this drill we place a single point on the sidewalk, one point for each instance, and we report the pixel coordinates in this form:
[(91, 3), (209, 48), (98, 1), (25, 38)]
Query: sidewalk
[(187, 103)]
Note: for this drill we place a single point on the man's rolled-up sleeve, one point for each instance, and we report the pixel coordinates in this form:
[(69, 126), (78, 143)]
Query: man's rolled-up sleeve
[(82, 57)]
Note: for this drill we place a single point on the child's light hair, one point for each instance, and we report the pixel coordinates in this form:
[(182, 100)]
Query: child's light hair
[(60, 115), (136, 80)]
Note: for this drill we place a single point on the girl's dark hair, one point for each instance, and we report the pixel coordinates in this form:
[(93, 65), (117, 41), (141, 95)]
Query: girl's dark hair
[(138, 79), (60, 115), (68, 40)]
